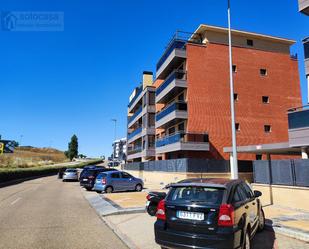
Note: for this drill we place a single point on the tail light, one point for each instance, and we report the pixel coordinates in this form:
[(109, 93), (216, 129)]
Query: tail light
[(103, 181), (226, 215), (161, 210), (148, 197)]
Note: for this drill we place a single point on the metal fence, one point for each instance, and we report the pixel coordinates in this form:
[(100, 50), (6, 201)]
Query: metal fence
[(190, 165), (282, 172)]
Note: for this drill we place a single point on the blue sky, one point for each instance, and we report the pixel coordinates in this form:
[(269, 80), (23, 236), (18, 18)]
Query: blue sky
[(55, 84)]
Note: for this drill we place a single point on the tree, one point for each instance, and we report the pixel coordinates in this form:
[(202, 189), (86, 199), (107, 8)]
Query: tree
[(72, 151)]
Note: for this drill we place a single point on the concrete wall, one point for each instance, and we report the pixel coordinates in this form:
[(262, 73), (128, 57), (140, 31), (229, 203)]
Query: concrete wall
[(158, 178), (287, 196)]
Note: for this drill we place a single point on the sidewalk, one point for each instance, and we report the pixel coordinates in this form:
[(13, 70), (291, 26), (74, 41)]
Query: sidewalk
[(125, 214)]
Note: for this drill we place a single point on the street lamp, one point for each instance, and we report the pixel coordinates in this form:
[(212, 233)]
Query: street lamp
[(233, 159), (114, 145)]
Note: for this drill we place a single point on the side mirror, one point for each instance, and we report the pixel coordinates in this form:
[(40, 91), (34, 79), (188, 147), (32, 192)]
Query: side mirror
[(257, 193)]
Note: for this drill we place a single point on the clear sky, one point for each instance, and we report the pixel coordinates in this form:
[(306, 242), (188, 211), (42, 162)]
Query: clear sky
[(55, 84)]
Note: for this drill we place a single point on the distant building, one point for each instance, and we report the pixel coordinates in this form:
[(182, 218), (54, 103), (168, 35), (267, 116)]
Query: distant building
[(120, 149)]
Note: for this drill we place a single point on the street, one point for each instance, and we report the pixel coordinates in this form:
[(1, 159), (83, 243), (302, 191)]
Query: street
[(47, 213)]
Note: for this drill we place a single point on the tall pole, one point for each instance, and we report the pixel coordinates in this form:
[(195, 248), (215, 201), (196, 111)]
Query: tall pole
[(114, 147), (233, 162)]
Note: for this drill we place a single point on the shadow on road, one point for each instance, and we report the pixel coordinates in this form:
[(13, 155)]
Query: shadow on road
[(264, 240)]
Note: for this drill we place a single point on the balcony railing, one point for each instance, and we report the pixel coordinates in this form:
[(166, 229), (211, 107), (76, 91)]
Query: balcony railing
[(176, 74), (182, 137), (134, 150), (178, 41), (181, 106), (306, 47), (139, 91), (139, 110), (298, 117), (135, 132)]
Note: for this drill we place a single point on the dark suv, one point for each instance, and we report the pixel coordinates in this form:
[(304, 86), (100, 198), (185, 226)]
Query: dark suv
[(87, 178), (209, 213)]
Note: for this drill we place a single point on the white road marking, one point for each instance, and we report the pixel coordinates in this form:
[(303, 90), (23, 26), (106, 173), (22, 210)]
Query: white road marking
[(18, 199)]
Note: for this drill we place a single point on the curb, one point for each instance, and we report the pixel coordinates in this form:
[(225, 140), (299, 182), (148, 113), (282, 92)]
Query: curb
[(287, 231)]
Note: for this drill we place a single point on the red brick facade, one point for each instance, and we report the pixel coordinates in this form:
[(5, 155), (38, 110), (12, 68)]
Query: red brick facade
[(209, 100)]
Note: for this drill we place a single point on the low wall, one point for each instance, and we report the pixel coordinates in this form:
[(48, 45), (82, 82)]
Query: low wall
[(160, 178), (287, 196)]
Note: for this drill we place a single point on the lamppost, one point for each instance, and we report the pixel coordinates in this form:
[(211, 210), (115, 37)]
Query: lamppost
[(233, 159), (114, 145)]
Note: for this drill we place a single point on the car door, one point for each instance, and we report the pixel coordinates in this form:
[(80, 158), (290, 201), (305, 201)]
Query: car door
[(253, 205), (127, 181), (116, 181), (241, 210)]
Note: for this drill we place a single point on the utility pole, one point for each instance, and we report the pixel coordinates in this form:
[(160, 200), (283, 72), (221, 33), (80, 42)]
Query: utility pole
[(233, 159), (114, 144)]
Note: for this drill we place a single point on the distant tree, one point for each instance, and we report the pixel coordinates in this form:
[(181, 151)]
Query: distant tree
[(72, 151), (82, 156), (15, 144)]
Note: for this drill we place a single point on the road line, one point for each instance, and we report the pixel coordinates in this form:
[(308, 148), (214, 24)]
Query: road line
[(18, 199)]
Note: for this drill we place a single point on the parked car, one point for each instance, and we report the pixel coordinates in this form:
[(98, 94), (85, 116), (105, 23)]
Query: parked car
[(113, 164), (153, 199), (117, 181), (70, 174), (60, 172), (209, 213), (88, 177)]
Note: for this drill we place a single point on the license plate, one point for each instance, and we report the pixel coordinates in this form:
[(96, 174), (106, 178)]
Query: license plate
[(190, 215), (147, 203), (85, 180)]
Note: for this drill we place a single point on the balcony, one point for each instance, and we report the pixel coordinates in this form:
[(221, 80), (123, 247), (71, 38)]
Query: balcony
[(304, 6), (137, 133), (175, 53), (135, 116), (175, 83), (135, 99), (306, 52), (171, 114), (299, 126), (183, 141)]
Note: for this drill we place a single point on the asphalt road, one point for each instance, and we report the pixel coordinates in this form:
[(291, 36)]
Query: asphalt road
[(47, 213)]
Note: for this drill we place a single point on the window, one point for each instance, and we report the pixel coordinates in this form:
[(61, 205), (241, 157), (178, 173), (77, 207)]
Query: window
[(248, 191), (263, 72), (250, 42), (115, 175), (235, 97), (181, 97), (237, 127), (258, 157), (152, 98), (239, 195), (171, 130), (234, 68), (181, 127), (126, 175), (265, 99), (267, 128)]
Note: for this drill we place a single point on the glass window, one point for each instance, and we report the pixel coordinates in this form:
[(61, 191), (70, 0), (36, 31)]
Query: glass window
[(126, 175), (248, 191), (181, 127), (115, 175), (196, 194), (250, 42), (239, 195)]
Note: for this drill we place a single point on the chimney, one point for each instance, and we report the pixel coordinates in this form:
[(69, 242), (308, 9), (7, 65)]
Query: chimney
[(147, 79)]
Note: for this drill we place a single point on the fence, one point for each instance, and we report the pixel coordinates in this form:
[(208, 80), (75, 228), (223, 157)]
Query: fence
[(282, 172), (190, 165)]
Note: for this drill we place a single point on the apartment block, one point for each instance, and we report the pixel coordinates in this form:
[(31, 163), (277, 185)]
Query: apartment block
[(141, 121), (303, 6), (120, 149), (192, 92)]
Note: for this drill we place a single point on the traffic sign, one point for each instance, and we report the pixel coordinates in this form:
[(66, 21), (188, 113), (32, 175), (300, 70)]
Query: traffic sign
[(8, 146), (1, 148)]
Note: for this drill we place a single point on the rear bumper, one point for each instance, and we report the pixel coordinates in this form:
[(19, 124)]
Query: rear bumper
[(70, 177), (99, 187), (86, 185), (179, 240)]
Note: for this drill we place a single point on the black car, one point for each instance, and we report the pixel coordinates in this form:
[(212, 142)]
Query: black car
[(87, 178), (87, 168), (209, 213)]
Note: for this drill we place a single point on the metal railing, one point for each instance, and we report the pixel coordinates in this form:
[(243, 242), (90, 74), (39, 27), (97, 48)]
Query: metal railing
[(134, 150), (178, 41), (135, 132), (176, 74), (139, 91), (183, 137), (181, 106), (139, 111)]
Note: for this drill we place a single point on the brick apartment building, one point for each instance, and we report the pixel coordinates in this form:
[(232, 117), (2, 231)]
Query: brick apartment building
[(192, 92)]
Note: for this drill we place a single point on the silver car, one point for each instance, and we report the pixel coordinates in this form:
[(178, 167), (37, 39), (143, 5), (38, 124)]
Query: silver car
[(70, 174)]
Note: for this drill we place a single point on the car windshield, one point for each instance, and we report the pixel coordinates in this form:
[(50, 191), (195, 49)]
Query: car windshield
[(196, 194), (89, 173)]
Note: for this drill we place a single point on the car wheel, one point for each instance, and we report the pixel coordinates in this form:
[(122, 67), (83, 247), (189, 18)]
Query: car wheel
[(63, 180), (138, 188), (109, 190), (246, 242), (261, 220)]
